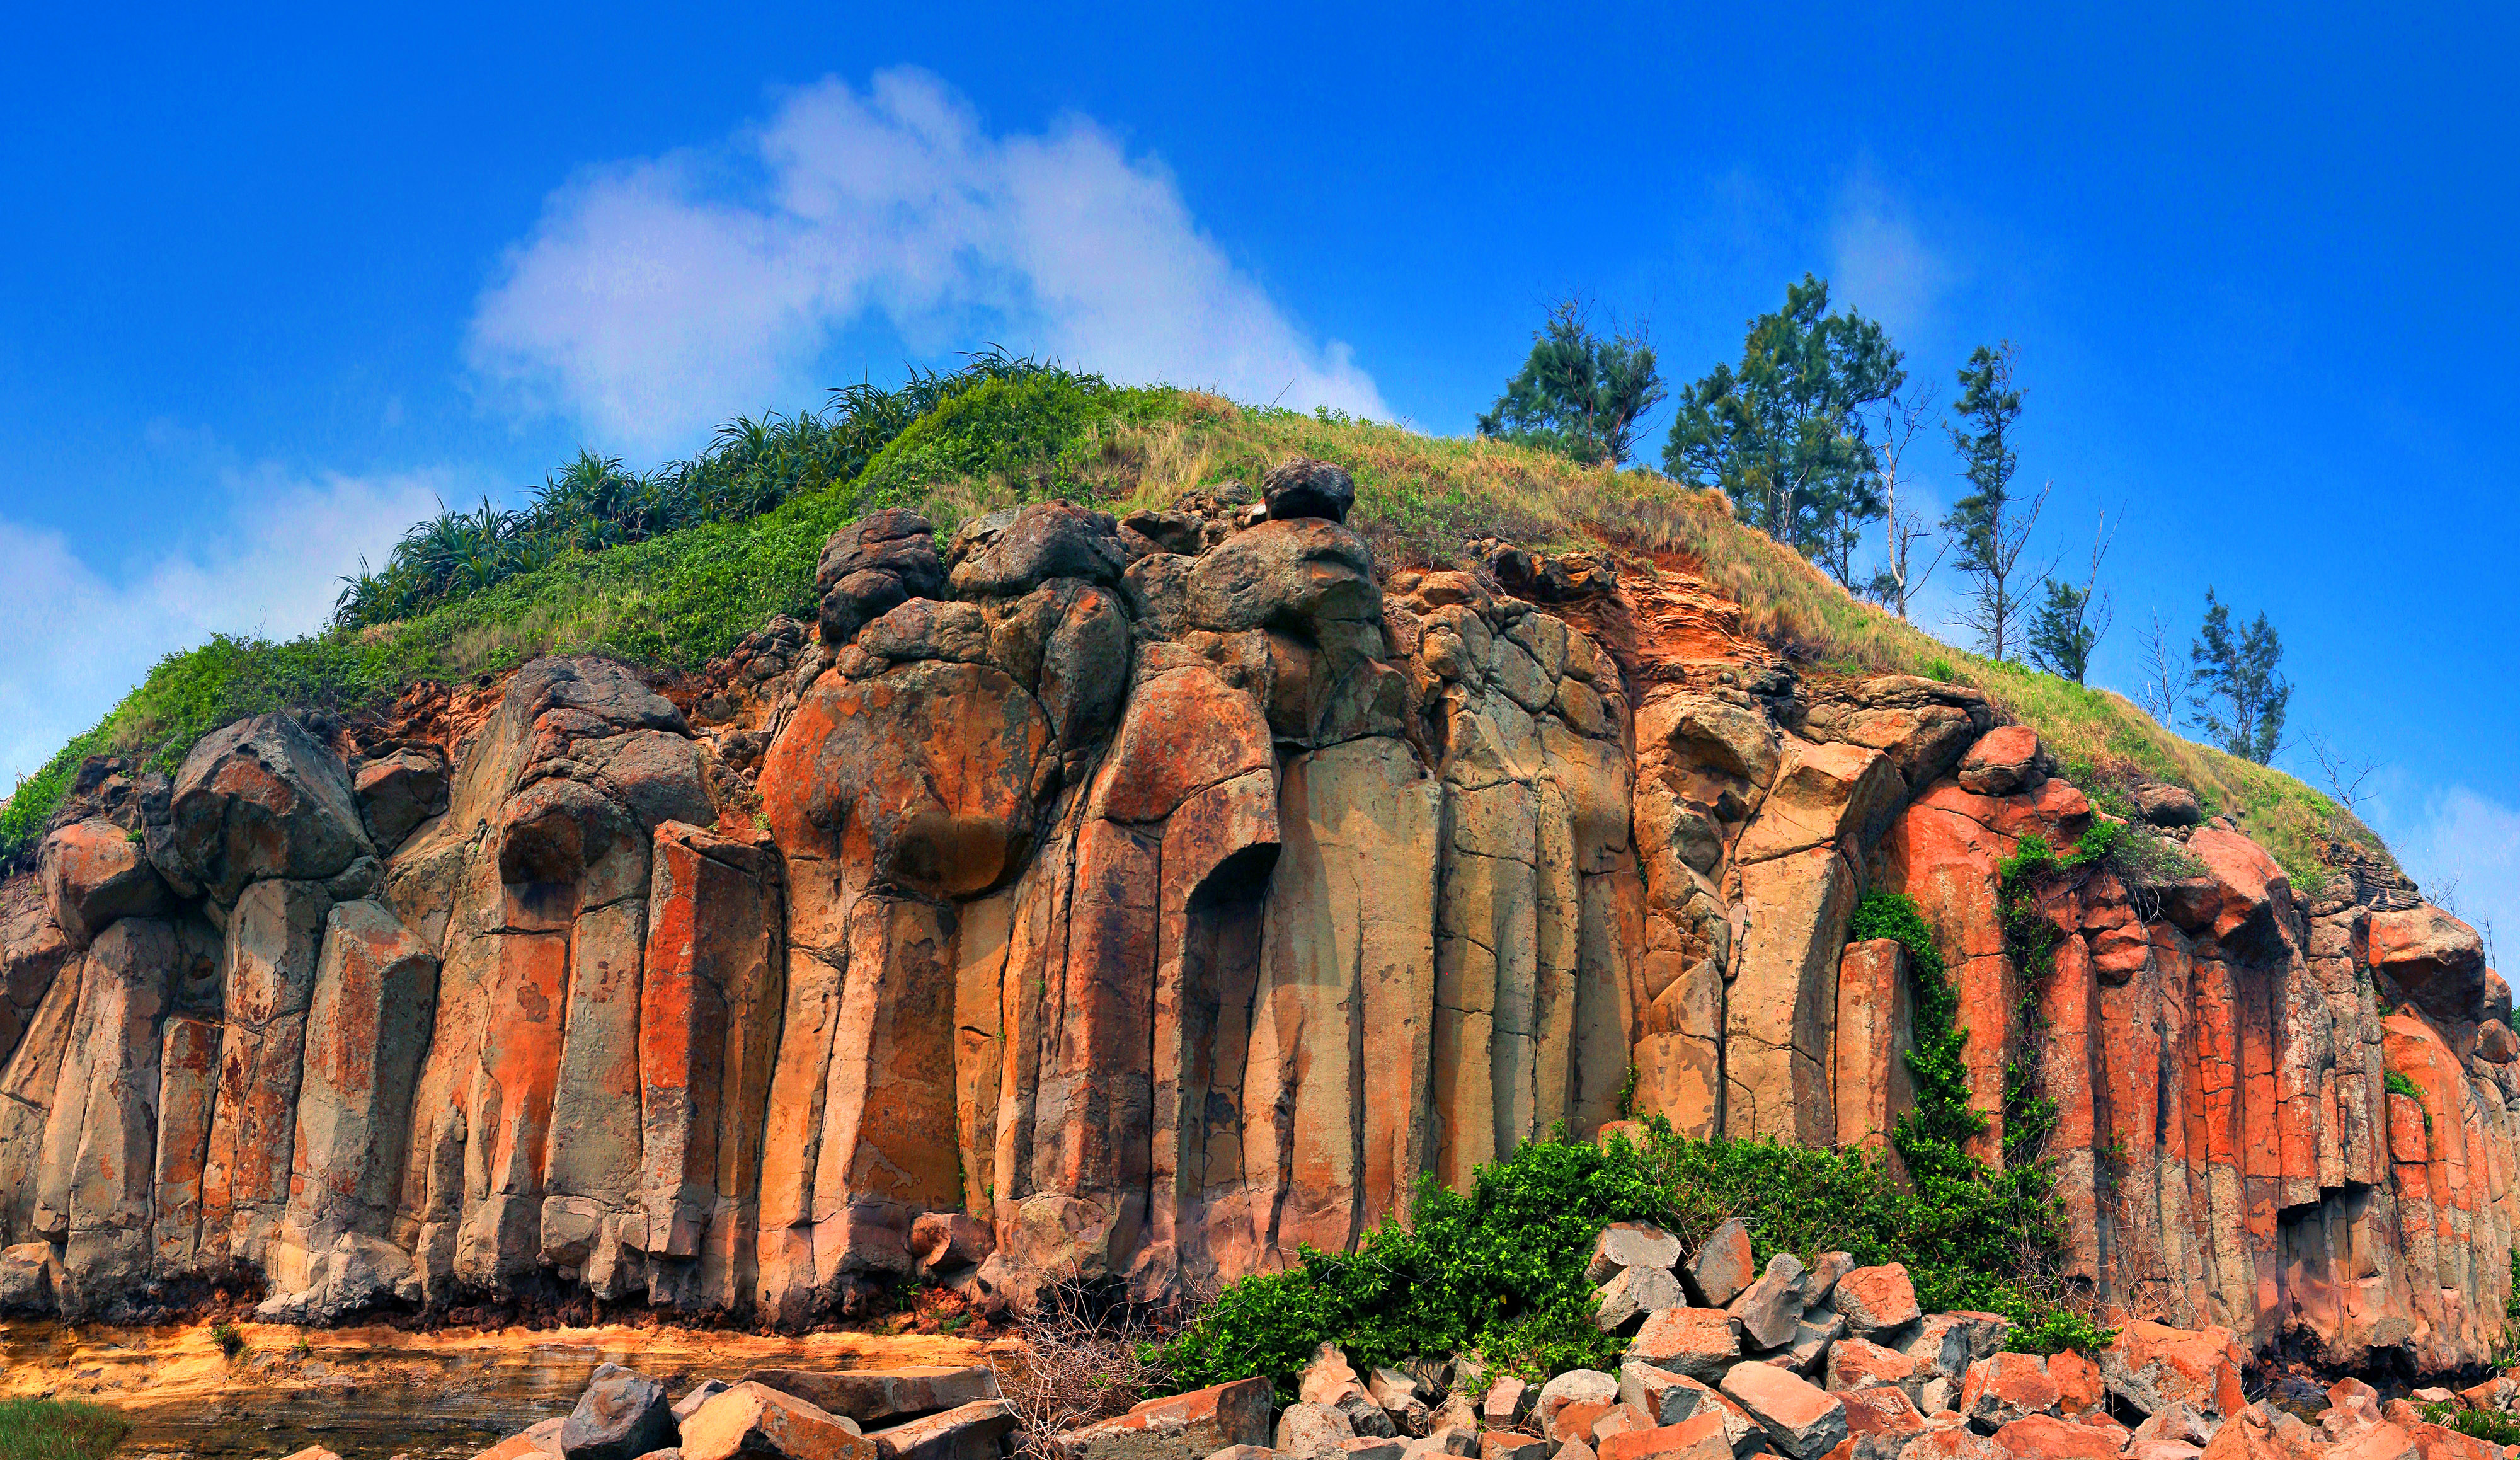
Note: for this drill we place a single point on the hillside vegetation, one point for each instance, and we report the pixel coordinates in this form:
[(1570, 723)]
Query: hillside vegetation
[(673, 567)]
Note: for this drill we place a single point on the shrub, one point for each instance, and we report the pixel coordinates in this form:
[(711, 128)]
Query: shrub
[(230, 1339), (2492, 1425), (58, 1429)]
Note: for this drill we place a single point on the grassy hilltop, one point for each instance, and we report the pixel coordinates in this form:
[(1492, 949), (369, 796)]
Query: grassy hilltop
[(674, 566)]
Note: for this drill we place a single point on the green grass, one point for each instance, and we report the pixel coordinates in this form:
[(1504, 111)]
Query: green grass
[(1006, 434), (56, 1430)]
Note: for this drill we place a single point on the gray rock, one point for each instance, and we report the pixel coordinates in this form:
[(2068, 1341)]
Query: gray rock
[(976, 1430), (1006, 554), (622, 1415), (1286, 574), (1625, 1244), (398, 791), (869, 565), (1313, 1432), (261, 798), (2165, 804), (1301, 486), (1723, 1266), (1633, 1294), (1771, 1307)]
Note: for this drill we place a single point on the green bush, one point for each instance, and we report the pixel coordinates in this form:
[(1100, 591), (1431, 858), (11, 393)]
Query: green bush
[(2492, 1425), (2397, 1083), (58, 1429)]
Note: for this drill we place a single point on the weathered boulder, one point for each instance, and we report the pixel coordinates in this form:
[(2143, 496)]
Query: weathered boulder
[(1006, 554), (1877, 1302), (1298, 575), (1700, 1342), (1182, 1427), (29, 1285), (1300, 487), (1626, 1245), (759, 1422), (262, 798), (1329, 1380), (2437, 959), (1801, 1420), (622, 1415), (976, 1430), (94, 872), (1771, 1307), (2005, 1386), (1572, 1402), (874, 1396), (2165, 804), (1313, 1432), (2003, 760), (1700, 1436), (398, 791), (1635, 1293), (2151, 1366), (1859, 1364), (873, 564), (1724, 1264), (2038, 1436)]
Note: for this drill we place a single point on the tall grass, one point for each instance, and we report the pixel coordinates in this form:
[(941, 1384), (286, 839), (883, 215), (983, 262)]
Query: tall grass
[(56, 1429), (673, 567)]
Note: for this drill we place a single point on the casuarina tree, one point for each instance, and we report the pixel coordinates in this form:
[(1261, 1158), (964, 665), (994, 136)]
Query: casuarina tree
[(1784, 435), (1578, 394), (1990, 527), (2243, 700)]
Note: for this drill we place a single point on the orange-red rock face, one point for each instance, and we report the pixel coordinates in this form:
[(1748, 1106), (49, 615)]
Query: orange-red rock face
[(1168, 912)]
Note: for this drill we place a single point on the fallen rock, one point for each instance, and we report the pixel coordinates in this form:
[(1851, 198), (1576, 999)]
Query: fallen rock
[(1701, 1343), (1506, 1444), (873, 564), (1330, 1380), (539, 1438), (976, 1430), (1628, 1245), (1300, 487), (622, 1415), (398, 791), (875, 1396), (1179, 1427), (2004, 1388), (1310, 1431), (1570, 1402), (1634, 1292), (701, 1393), (93, 873), (2003, 760), (2151, 1366), (261, 798), (2044, 1437), (28, 1281), (1700, 1436), (1770, 1307), (942, 1241), (1401, 1396), (1801, 1420), (1861, 1364), (1877, 1301), (1723, 1266), (1820, 1285), (760, 1422), (1507, 1401), (1373, 1447), (2165, 804)]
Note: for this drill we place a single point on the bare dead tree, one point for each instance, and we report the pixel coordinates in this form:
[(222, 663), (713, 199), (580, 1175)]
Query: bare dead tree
[(2167, 685), (1899, 581), (1998, 601), (2345, 775)]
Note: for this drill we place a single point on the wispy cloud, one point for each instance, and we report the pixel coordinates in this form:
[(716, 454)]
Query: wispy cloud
[(2464, 849), (81, 635), (1881, 261), (656, 296)]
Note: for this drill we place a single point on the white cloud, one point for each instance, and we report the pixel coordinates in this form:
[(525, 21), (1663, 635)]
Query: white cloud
[(81, 636), (654, 298), (1882, 264), (2464, 849)]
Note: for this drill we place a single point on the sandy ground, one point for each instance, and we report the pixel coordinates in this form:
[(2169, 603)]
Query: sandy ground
[(370, 1393)]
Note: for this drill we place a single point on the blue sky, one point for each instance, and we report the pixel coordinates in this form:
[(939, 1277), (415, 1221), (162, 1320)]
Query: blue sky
[(275, 287)]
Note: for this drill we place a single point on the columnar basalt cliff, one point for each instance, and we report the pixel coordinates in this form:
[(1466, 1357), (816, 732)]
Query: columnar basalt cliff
[(1163, 895)]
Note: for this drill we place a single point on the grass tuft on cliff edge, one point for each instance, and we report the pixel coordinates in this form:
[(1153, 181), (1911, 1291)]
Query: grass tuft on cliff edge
[(685, 597)]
